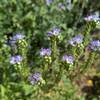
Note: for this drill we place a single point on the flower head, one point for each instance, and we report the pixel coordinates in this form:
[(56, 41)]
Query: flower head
[(76, 40), (45, 52), (61, 6), (13, 40), (48, 2), (18, 37), (92, 18), (54, 32), (16, 59), (68, 59), (35, 78), (95, 45)]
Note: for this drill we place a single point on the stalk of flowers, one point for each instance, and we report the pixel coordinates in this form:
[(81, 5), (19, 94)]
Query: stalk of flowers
[(92, 22), (78, 48), (16, 61), (21, 43), (94, 46), (46, 54), (21, 46), (68, 61), (95, 49), (77, 44), (13, 42), (54, 35)]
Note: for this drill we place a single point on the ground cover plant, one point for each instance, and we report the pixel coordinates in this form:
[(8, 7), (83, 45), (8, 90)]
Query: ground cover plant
[(49, 50)]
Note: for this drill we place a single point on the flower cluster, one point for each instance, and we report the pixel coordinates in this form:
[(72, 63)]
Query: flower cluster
[(35, 78), (61, 6), (18, 37), (45, 52), (68, 59), (92, 18), (54, 32), (48, 2), (95, 45), (15, 38), (76, 40), (16, 59)]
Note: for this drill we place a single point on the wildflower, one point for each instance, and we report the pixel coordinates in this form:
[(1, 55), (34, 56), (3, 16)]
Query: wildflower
[(48, 2), (45, 52), (92, 18), (95, 45), (18, 37), (61, 6), (76, 40), (15, 59), (35, 78), (10, 42), (54, 32), (68, 59)]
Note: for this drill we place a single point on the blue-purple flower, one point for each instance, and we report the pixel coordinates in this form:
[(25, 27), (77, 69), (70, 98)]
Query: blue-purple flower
[(92, 18), (18, 37), (16, 59), (14, 39), (54, 32), (95, 45), (68, 59), (35, 78), (61, 6), (76, 40), (10, 42), (45, 52), (48, 2)]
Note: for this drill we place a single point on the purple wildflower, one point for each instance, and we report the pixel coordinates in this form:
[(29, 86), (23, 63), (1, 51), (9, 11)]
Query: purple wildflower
[(35, 78), (14, 39), (95, 45), (68, 59), (92, 18), (18, 37), (45, 52), (10, 42), (48, 2), (12, 60), (61, 6), (15, 59), (54, 32), (18, 58), (76, 40)]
